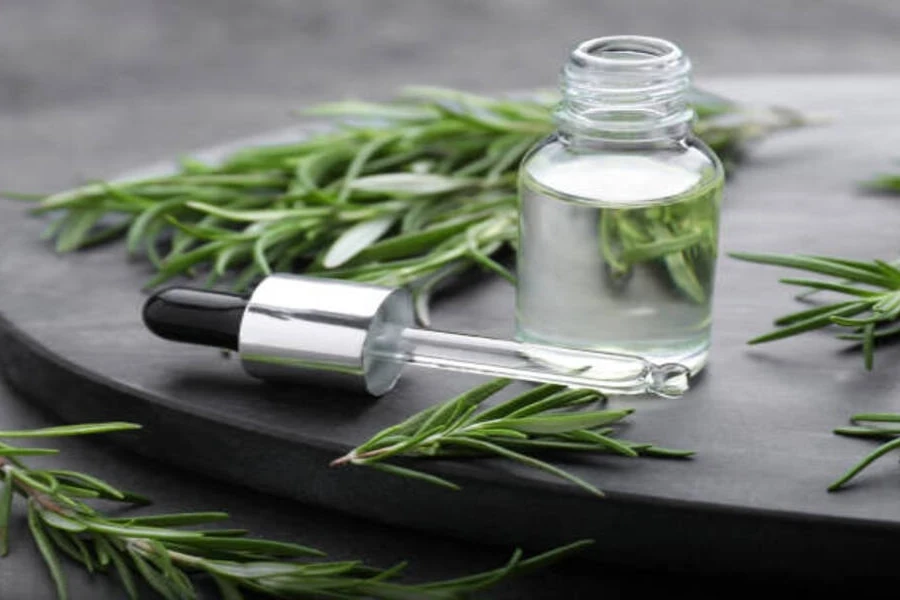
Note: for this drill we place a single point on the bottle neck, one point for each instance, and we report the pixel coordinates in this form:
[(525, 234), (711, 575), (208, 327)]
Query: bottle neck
[(625, 90)]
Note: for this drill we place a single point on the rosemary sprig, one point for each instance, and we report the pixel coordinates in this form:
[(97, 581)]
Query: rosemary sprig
[(860, 429), (408, 192), (730, 129), (868, 306), (548, 418), (681, 236), (888, 183), (159, 550)]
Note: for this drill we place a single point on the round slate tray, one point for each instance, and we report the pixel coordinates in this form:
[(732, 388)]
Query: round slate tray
[(752, 500)]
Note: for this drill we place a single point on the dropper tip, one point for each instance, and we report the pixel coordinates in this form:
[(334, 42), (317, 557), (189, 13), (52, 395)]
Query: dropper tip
[(670, 380)]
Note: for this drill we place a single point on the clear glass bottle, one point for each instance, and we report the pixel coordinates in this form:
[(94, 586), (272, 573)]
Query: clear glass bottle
[(619, 210)]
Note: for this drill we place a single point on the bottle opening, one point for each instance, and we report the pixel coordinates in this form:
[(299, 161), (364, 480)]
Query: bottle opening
[(626, 50)]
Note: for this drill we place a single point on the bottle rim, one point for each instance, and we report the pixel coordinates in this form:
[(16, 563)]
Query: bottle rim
[(629, 52)]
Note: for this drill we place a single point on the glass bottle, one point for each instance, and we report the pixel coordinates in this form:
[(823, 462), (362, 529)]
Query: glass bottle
[(619, 210)]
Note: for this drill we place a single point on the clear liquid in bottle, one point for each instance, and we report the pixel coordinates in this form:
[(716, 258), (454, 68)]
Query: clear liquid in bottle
[(618, 253)]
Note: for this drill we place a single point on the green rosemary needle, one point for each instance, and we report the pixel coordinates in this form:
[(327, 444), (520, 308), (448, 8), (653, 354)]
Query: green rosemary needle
[(548, 418), (160, 551), (406, 192), (868, 304), (861, 428)]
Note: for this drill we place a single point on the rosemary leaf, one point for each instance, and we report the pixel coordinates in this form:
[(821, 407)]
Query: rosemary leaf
[(409, 184), (7, 451), (45, 546), (356, 239), (61, 521), (125, 575), (529, 461), (528, 401), (869, 432), (876, 418), (178, 520), (6, 498), (67, 430), (88, 481), (817, 264), (69, 545), (152, 576), (565, 423), (829, 286), (413, 474), (885, 448), (521, 567)]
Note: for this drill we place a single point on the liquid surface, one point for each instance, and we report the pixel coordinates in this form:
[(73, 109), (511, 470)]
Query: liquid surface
[(617, 253)]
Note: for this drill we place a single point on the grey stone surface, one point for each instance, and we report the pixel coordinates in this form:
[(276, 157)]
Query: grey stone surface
[(87, 85)]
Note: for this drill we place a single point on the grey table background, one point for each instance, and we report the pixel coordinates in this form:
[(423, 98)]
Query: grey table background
[(98, 86)]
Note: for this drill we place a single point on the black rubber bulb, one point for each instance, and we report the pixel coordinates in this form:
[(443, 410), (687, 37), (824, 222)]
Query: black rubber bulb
[(196, 316)]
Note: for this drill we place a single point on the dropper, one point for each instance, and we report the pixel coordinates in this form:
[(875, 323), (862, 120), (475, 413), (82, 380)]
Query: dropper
[(332, 331)]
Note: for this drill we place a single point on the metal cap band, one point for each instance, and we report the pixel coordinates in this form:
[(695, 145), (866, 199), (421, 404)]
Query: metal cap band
[(320, 330)]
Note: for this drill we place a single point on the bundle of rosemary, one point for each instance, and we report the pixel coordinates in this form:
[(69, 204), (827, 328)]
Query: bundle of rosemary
[(168, 558), (407, 192)]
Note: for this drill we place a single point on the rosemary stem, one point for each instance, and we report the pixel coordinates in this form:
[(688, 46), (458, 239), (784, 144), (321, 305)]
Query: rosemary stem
[(144, 546), (28, 491)]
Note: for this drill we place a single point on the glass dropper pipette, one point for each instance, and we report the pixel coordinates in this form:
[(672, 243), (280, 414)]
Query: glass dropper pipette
[(609, 372), (348, 333)]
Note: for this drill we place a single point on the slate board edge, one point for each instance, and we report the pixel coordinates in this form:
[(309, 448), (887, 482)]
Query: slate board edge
[(642, 531)]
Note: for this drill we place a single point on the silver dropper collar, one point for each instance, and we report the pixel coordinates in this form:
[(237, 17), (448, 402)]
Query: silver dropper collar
[(322, 329)]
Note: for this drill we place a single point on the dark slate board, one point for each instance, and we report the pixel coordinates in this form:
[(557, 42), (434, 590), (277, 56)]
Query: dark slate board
[(754, 498)]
